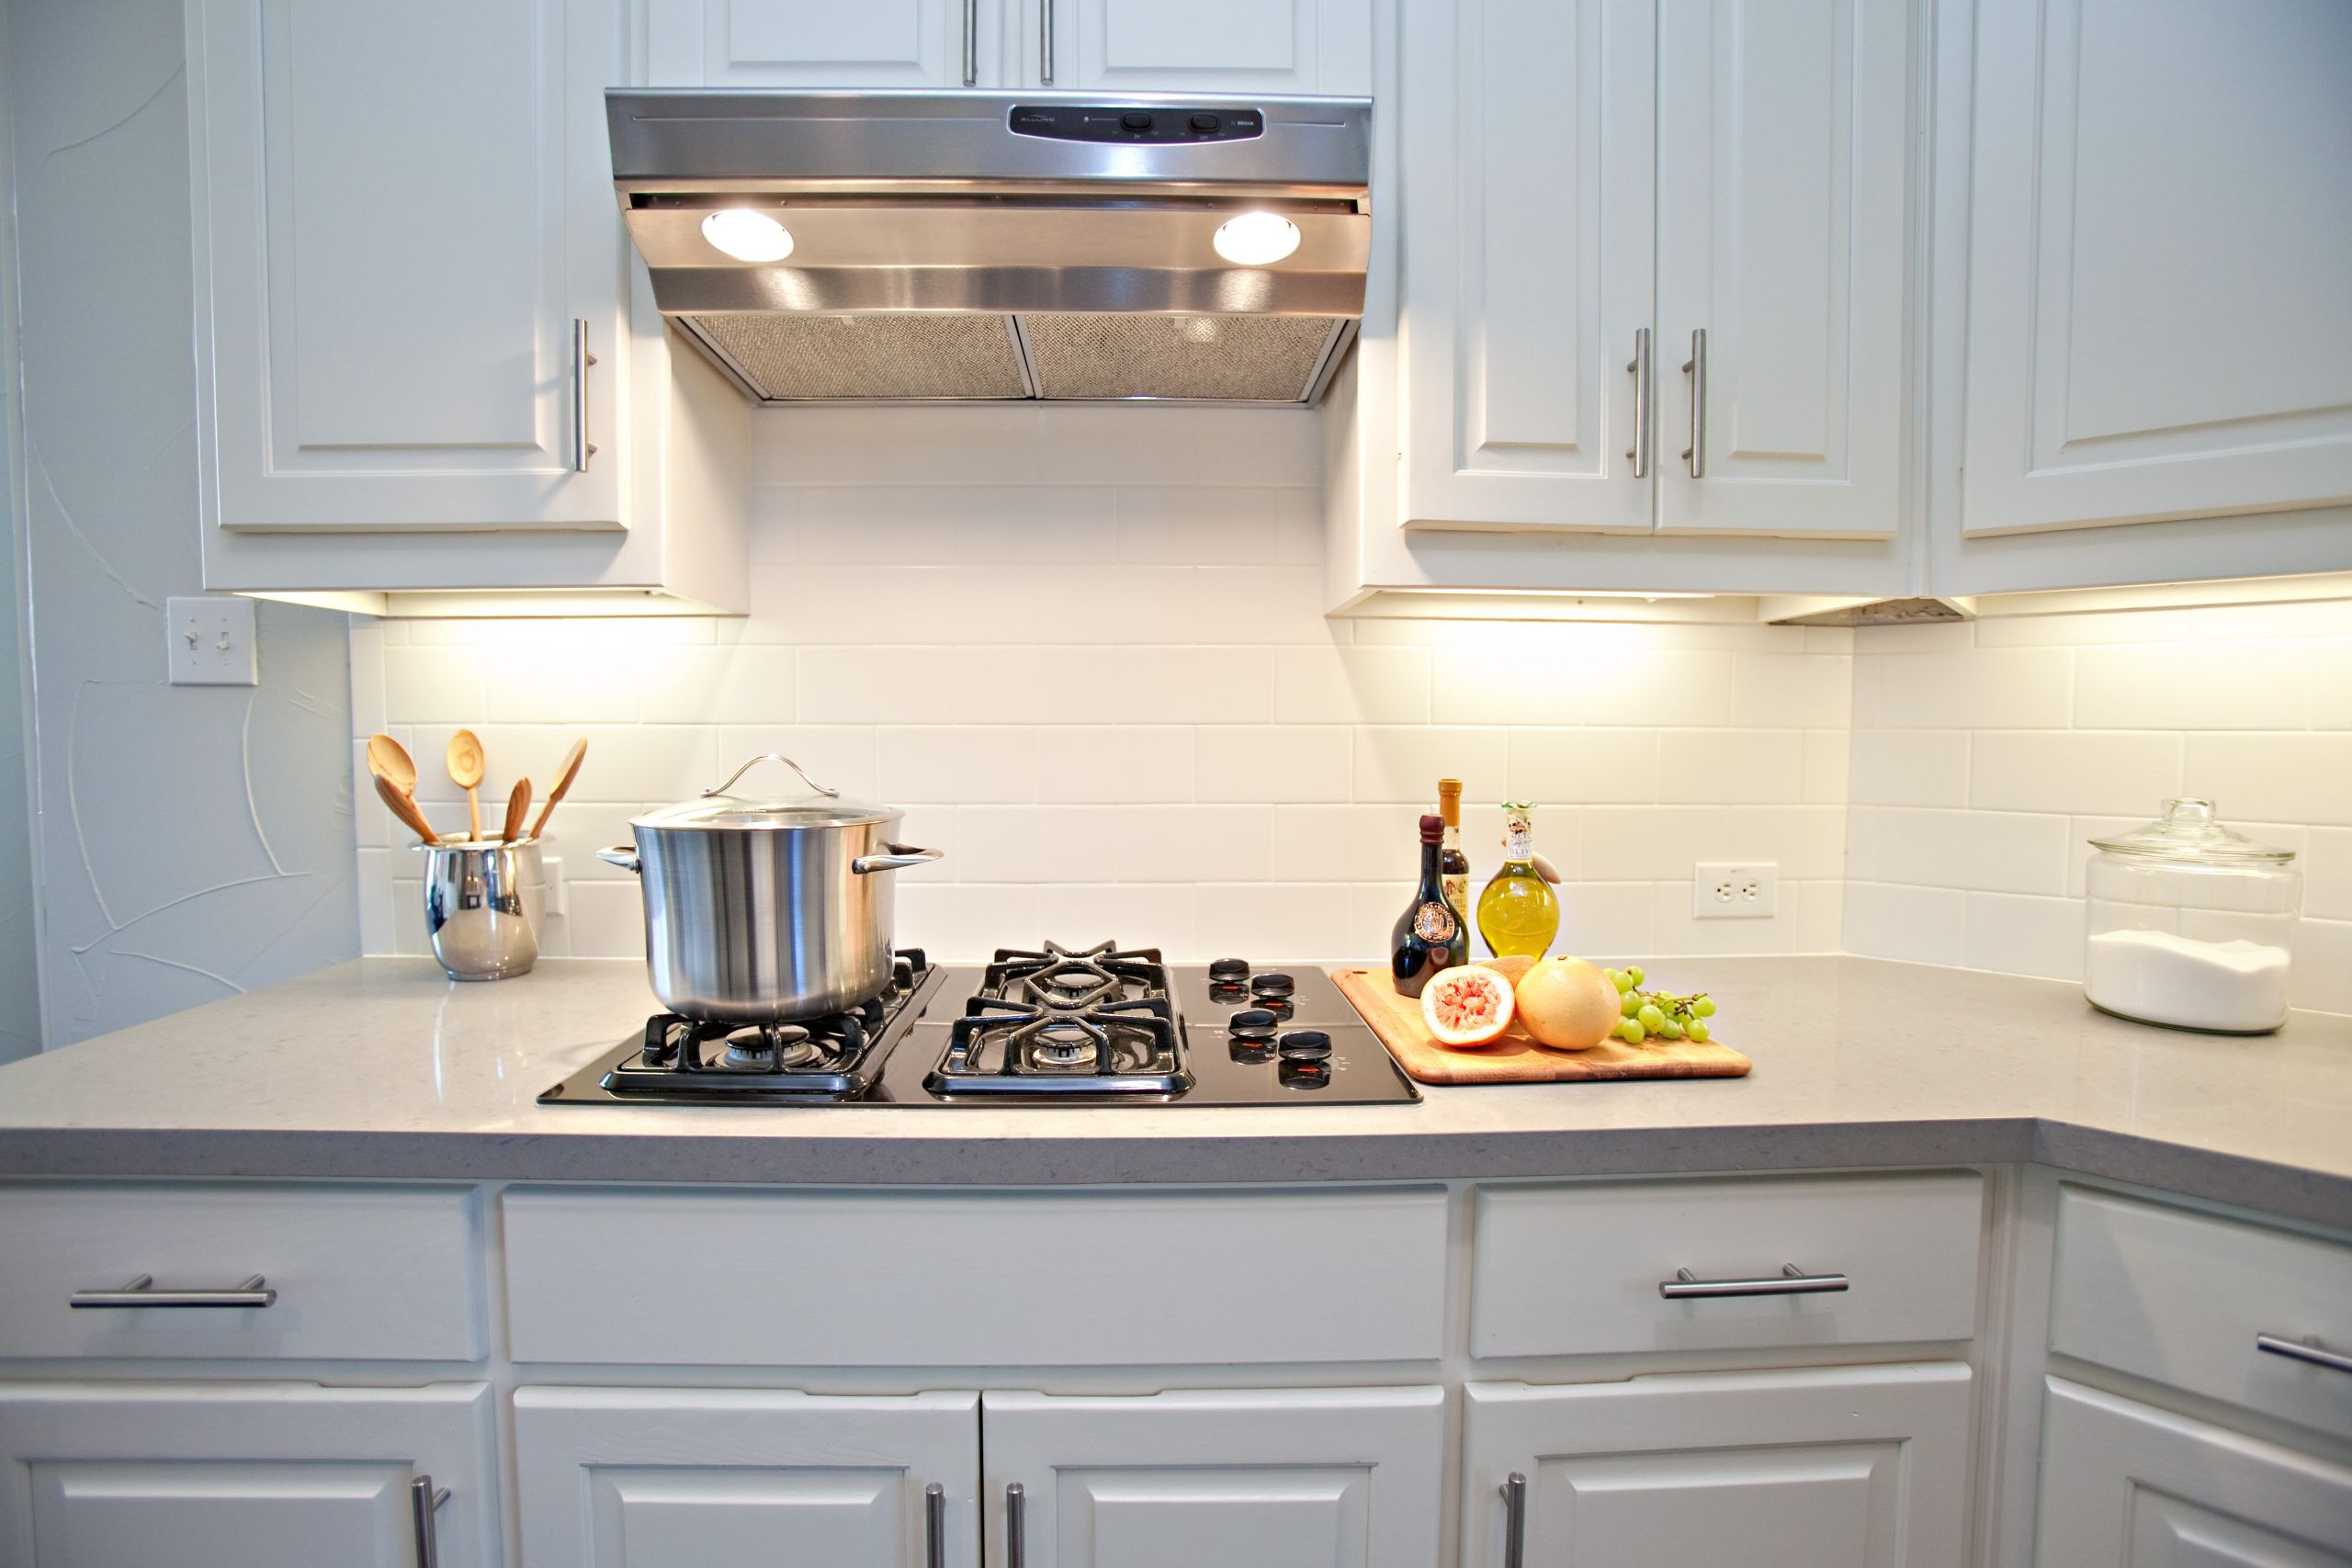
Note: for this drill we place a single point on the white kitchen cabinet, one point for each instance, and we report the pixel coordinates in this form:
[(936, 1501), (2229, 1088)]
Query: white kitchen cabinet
[(1285, 47), (820, 43), (1858, 1467), (1783, 230), (2161, 207), (240, 1475), (2125, 1486), (1340, 1478), (419, 363), (746, 1478)]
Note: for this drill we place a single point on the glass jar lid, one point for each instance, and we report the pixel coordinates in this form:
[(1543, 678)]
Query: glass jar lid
[(718, 810), (2188, 832)]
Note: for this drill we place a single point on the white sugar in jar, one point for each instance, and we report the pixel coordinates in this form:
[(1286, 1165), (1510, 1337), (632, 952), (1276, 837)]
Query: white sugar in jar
[(2192, 925)]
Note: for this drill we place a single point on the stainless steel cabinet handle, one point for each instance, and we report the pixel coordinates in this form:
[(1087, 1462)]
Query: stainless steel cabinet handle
[(1016, 1550), (934, 1526), (1044, 43), (2296, 1350), (1793, 1281), (1514, 1492), (142, 1292), (582, 447), (423, 1501), (971, 41), (1696, 368), (1639, 366)]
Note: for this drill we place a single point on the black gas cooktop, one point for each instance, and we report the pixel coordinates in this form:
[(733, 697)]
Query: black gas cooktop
[(1103, 1026)]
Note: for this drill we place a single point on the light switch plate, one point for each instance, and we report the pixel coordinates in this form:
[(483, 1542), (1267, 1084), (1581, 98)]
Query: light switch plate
[(209, 642), (1735, 890)]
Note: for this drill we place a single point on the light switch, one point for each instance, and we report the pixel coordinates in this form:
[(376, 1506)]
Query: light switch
[(209, 642)]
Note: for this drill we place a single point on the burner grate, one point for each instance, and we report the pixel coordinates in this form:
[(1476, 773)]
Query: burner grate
[(1096, 1021)]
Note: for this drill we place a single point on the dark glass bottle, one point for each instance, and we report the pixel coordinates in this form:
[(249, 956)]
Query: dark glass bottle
[(1429, 934)]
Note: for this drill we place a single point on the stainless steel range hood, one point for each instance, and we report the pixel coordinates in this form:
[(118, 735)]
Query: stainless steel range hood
[(931, 247)]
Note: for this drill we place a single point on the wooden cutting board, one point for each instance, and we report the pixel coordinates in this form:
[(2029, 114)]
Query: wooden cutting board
[(1516, 1057)]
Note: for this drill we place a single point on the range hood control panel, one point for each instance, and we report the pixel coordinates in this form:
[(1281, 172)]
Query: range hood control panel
[(1126, 122)]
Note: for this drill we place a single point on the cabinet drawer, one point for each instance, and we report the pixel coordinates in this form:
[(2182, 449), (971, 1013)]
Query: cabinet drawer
[(2179, 1297), (1577, 1270), (958, 1279), (360, 1273)]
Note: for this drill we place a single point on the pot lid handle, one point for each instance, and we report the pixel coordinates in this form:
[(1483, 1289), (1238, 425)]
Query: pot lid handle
[(772, 757)]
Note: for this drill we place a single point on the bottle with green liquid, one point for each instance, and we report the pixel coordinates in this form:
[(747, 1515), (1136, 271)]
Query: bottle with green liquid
[(1519, 913)]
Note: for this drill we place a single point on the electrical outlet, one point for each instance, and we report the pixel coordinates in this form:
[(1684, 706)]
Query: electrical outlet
[(209, 642), (1735, 890)]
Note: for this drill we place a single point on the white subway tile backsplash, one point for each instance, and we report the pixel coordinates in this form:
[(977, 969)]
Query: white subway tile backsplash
[(1593, 766), (1404, 762), (2019, 935), (842, 757), (2274, 778), (1190, 685), (2003, 688), (2078, 771), (1220, 525), (449, 684), (1742, 766), (1119, 764), (2323, 972), (1272, 762), (1650, 843), (744, 684), (2332, 684), (1190, 843), (961, 763), (1807, 842), (1919, 925), (1609, 920), (1806, 690), (2327, 874), (2197, 685), (1828, 765), (1328, 684), (1910, 767)]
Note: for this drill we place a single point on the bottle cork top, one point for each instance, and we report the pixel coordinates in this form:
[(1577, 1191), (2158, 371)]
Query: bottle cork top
[(1432, 830), (1449, 801)]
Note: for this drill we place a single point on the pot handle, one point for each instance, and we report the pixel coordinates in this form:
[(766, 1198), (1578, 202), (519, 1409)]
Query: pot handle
[(900, 857), (773, 757), (622, 855)]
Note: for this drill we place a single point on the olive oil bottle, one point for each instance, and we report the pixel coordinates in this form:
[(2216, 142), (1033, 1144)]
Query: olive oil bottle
[(1519, 913)]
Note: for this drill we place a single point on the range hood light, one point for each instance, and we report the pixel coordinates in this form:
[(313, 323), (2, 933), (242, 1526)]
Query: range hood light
[(1256, 239), (748, 236)]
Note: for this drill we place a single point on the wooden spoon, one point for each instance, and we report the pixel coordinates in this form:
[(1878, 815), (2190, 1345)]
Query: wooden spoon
[(465, 761), (388, 759), (562, 785), (518, 807), (405, 808)]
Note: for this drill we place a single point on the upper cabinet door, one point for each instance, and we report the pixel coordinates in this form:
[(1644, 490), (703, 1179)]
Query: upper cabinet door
[(2158, 319), (1834, 1468), (1527, 196), (228, 1476), (1342, 1478), (1783, 229), (746, 1478), (400, 211), (1199, 46), (821, 43)]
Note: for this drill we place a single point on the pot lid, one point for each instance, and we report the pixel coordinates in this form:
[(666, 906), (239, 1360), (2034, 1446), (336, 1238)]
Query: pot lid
[(2190, 832), (717, 809)]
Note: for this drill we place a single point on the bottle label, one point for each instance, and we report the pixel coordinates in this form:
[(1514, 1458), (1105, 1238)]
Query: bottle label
[(1434, 924), (1457, 889), (1519, 844)]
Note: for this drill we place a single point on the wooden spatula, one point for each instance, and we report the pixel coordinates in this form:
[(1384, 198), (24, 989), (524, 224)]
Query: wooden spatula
[(465, 761), (562, 785), (518, 807), (404, 807)]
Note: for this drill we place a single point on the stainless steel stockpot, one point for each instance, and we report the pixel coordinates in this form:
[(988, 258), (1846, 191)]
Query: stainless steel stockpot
[(764, 910)]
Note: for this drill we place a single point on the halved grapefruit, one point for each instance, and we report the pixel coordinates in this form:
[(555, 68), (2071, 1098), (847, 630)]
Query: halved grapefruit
[(1468, 1005)]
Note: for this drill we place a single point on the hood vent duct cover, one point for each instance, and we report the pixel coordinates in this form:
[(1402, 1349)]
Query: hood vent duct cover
[(953, 247)]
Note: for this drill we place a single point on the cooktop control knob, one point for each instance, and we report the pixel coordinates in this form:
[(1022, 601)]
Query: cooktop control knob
[(1229, 971), (1253, 1024), (1303, 1075), (1272, 984), (1305, 1046)]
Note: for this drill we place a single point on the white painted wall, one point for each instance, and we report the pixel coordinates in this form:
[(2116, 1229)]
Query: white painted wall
[(19, 945), (1985, 757), (191, 842)]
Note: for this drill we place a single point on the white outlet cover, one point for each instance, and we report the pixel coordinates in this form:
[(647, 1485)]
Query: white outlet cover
[(1735, 890), (209, 641)]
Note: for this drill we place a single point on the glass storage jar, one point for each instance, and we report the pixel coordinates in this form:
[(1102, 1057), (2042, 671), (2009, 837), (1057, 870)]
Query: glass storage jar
[(2192, 925)]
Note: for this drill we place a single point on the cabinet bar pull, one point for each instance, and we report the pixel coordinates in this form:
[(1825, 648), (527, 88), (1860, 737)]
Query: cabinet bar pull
[(971, 41), (582, 447), (142, 1292), (1044, 43), (1696, 368), (423, 1501), (934, 1526), (2296, 1350), (1639, 366), (1016, 1549), (1793, 1281), (1514, 1492)]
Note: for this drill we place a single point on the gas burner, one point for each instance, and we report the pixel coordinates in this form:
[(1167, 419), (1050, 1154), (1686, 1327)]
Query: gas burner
[(1071, 981), (772, 1048), (1061, 1021)]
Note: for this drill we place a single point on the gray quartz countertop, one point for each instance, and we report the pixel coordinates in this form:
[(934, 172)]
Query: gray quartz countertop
[(382, 1068)]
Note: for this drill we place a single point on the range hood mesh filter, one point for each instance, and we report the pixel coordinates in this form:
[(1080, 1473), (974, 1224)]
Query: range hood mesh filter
[(794, 358), (1258, 359)]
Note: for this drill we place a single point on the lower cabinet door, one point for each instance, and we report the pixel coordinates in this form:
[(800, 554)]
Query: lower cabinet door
[(1294, 1478), (254, 1475), (1848, 1467), (734, 1478), (2123, 1484)]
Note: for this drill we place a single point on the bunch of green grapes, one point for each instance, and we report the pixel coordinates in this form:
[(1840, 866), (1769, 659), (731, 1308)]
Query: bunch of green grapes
[(1661, 1013)]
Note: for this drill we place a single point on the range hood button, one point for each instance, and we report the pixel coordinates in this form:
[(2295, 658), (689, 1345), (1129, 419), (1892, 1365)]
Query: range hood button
[(1135, 121), (1205, 122)]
